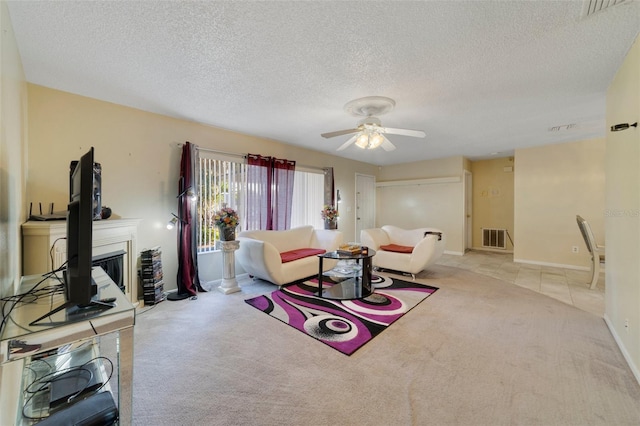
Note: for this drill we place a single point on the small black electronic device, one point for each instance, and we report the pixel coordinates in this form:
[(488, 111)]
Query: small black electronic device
[(97, 409), (73, 385), (48, 216)]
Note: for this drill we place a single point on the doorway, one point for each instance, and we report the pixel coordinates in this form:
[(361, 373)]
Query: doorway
[(468, 210), (365, 203)]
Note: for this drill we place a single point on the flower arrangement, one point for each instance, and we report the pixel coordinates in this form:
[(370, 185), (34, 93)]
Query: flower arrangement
[(329, 213), (226, 218)]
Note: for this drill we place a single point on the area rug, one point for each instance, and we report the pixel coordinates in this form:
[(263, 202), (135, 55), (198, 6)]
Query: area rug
[(348, 324)]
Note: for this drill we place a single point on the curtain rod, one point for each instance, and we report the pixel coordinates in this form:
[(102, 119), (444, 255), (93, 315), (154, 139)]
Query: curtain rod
[(233, 154)]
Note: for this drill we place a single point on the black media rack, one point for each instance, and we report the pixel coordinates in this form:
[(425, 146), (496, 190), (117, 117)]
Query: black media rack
[(151, 276)]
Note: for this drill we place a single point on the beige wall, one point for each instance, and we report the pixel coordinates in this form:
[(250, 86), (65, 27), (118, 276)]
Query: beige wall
[(493, 197), (139, 155), (12, 154), (417, 202), (622, 213), (553, 184)]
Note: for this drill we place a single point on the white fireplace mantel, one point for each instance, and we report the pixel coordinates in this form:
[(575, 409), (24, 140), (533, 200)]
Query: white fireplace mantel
[(44, 247)]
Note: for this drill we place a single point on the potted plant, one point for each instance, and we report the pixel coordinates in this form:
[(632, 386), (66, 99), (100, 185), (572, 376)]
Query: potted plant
[(226, 219), (330, 216)]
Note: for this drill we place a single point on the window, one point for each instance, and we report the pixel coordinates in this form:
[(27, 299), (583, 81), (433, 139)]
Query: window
[(308, 199), (223, 182)]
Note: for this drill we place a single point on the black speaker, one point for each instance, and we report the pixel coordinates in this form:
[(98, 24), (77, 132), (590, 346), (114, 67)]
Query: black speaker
[(97, 188), (97, 191)]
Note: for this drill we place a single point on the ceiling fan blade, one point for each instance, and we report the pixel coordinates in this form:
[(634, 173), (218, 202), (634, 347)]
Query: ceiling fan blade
[(347, 143), (339, 133), (405, 132), (387, 145)]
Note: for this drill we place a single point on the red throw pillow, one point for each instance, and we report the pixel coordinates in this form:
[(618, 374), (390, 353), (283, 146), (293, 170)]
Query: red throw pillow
[(397, 248), (291, 255)]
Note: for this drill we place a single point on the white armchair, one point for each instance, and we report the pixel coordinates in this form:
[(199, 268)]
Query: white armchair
[(282, 257), (404, 250)]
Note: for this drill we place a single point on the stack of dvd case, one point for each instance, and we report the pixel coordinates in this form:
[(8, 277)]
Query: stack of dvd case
[(151, 276)]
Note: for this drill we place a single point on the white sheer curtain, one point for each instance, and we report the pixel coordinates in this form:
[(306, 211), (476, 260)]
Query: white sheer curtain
[(307, 204)]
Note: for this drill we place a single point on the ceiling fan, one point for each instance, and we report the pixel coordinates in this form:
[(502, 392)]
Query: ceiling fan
[(369, 134)]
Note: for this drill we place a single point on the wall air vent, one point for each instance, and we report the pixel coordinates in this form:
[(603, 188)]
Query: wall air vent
[(563, 127), (594, 6), (494, 238)]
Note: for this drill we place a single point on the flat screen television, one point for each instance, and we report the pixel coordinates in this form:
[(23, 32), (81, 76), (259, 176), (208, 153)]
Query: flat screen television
[(80, 289), (79, 286)]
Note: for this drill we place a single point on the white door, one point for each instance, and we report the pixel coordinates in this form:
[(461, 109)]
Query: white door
[(365, 203)]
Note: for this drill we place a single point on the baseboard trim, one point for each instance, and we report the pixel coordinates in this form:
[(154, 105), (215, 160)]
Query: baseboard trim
[(554, 265), (215, 283), (623, 349), (212, 284), (492, 250), (455, 253)]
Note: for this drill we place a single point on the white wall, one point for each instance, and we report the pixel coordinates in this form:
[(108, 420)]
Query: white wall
[(12, 154), (418, 203), (622, 218), (553, 184)]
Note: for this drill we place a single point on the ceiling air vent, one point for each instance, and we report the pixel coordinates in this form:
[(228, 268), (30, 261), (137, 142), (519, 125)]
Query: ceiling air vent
[(594, 6)]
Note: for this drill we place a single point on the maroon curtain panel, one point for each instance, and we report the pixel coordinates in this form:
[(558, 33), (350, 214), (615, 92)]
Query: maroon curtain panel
[(188, 281), (329, 187), (269, 192), (283, 174)]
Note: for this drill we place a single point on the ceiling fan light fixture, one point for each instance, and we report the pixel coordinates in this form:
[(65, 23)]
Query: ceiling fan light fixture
[(370, 134), (375, 140), (369, 140), (362, 141)]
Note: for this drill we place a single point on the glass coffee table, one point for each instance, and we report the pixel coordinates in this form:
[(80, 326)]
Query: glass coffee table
[(352, 280)]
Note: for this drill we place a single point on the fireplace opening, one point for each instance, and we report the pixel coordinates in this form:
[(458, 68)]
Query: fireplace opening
[(113, 265)]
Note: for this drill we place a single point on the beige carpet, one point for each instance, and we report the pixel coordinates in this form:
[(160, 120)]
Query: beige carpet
[(481, 352)]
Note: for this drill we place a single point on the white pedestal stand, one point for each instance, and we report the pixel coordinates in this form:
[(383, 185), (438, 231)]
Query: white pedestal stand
[(229, 282)]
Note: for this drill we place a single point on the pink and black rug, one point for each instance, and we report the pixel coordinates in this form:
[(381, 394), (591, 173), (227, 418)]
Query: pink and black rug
[(345, 325)]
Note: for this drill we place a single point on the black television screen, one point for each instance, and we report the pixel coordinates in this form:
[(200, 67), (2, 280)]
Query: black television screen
[(80, 289), (79, 285)]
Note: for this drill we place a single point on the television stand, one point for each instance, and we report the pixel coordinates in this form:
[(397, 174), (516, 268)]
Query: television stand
[(109, 334), (74, 312)]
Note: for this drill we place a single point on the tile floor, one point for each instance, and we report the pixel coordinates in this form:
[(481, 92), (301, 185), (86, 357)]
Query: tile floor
[(567, 285)]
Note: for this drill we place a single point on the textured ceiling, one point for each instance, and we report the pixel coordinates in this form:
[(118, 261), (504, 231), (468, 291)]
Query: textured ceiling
[(479, 77)]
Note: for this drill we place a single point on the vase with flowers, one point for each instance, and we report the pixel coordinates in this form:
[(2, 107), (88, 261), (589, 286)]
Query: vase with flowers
[(330, 215), (226, 219)]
